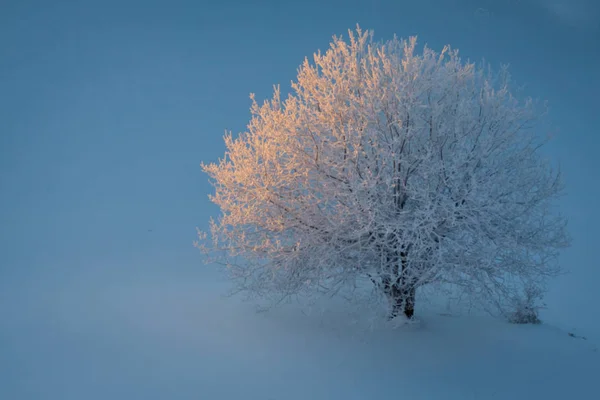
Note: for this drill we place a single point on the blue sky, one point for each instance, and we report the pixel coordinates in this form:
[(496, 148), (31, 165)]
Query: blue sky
[(107, 109)]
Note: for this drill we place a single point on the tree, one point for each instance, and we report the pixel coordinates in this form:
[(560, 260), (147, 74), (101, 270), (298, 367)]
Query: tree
[(404, 168)]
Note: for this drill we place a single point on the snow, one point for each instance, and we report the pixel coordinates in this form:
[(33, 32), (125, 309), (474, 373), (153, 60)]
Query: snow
[(158, 336)]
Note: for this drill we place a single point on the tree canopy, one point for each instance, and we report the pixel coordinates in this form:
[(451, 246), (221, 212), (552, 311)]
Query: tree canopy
[(383, 163)]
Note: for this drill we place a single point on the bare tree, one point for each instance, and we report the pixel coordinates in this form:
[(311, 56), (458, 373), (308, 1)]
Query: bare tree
[(403, 168)]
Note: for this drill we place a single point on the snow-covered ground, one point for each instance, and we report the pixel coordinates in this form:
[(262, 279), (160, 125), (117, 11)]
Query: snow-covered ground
[(159, 337)]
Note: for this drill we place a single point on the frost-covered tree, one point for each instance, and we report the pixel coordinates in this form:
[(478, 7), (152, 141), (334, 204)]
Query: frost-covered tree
[(403, 168)]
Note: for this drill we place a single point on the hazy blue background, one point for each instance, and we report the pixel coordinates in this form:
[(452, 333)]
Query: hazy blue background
[(107, 109)]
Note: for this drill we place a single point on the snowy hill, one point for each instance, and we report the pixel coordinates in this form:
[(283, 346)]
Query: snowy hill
[(163, 338)]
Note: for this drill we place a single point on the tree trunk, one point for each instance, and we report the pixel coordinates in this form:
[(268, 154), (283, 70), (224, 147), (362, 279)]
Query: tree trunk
[(402, 300), (409, 302), (396, 300), (401, 292)]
